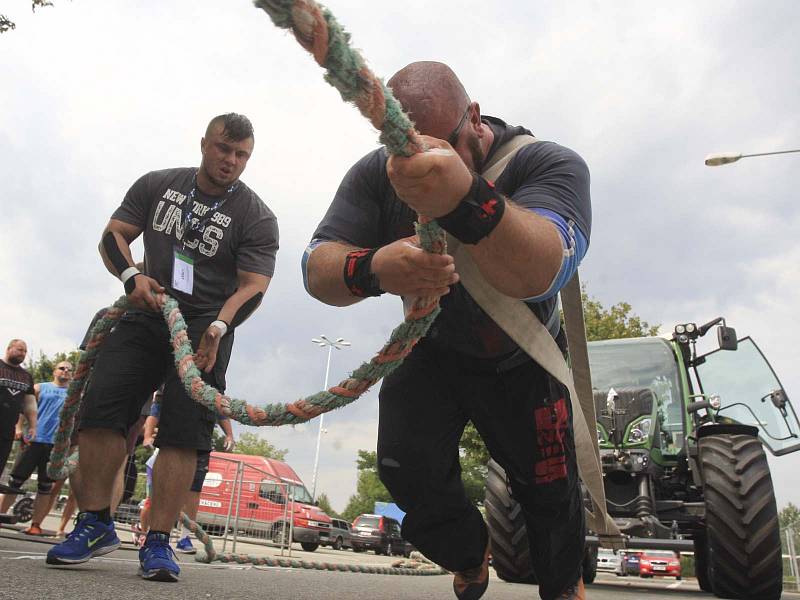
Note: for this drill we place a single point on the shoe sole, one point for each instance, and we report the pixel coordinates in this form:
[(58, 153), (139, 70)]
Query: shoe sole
[(56, 560), (164, 575), (192, 551), (473, 591)]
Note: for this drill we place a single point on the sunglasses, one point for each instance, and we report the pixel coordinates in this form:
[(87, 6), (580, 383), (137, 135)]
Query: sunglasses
[(452, 139), (64, 368)]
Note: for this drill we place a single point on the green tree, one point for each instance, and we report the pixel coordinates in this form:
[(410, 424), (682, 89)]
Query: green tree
[(251, 443), (601, 324), (369, 488), (41, 369), (6, 23), (325, 505), (613, 323), (789, 515)]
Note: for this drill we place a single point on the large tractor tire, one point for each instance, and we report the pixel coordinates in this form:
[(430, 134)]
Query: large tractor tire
[(511, 554), (743, 536), (590, 565), (701, 562)]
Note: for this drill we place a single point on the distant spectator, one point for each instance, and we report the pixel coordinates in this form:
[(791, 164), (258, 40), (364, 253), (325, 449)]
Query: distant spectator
[(17, 397), (36, 455)]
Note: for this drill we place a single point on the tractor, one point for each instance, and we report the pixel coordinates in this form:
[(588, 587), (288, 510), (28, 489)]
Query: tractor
[(681, 438)]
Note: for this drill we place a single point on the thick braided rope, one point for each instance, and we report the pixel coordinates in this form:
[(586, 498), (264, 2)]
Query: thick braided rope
[(317, 31), (60, 464), (402, 567), (400, 343)]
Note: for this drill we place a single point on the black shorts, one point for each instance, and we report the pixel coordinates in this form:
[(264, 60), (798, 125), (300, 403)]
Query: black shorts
[(34, 457), (134, 360), (200, 470)]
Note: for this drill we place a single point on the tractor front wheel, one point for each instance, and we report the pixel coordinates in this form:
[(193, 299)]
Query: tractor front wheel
[(743, 535)]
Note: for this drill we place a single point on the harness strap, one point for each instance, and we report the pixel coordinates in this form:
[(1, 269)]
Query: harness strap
[(517, 320)]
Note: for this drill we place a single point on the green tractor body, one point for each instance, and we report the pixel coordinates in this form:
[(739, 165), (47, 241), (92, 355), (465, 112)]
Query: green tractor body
[(681, 440)]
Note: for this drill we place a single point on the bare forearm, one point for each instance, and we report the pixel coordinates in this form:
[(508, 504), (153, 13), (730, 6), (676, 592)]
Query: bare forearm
[(325, 280), (30, 411), (522, 254), (225, 425), (150, 424)]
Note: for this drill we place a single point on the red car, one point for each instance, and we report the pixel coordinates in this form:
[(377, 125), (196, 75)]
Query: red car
[(660, 563)]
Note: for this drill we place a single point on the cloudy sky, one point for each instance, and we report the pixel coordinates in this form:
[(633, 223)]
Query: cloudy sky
[(95, 93)]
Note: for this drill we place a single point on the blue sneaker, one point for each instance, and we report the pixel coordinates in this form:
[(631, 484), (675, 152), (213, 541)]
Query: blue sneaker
[(91, 537), (157, 559), (185, 546)]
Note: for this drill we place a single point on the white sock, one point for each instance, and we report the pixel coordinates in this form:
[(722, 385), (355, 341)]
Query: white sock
[(185, 532)]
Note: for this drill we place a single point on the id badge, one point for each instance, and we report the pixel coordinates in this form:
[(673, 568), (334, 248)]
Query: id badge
[(182, 272)]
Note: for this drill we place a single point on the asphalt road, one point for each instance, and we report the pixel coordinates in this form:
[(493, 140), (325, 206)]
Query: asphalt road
[(24, 575)]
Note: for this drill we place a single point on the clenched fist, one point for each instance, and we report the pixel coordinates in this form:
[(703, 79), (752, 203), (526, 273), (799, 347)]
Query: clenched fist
[(433, 182), (404, 269)]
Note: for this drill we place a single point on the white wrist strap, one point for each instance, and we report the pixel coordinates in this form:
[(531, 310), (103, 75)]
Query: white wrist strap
[(128, 273), (222, 326)]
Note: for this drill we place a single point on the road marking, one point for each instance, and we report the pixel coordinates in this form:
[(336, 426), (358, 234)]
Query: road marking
[(672, 586)]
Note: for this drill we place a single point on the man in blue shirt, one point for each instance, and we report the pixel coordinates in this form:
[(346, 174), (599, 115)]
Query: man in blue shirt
[(50, 398)]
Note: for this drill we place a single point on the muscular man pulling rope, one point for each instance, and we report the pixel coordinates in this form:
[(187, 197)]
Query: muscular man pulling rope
[(526, 233), (210, 243)]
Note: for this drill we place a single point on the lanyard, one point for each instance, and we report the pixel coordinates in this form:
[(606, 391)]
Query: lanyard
[(200, 225)]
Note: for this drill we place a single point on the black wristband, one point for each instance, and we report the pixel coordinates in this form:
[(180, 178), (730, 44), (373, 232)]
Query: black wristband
[(358, 275), (130, 284), (478, 213)]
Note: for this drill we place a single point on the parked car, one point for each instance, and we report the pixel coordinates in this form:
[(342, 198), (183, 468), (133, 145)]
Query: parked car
[(630, 562), (270, 496), (380, 534), (340, 535), (659, 563), (609, 561)]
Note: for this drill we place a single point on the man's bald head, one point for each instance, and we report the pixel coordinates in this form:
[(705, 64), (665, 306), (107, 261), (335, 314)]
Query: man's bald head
[(432, 95)]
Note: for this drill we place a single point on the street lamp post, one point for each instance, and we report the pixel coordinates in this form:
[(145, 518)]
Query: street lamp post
[(338, 344), (725, 158)]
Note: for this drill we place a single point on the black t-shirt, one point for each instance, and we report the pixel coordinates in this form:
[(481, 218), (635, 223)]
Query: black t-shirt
[(241, 233), (15, 384), (366, 212)]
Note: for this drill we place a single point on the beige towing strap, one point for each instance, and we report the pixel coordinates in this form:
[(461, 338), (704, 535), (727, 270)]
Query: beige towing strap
[(517, 320)]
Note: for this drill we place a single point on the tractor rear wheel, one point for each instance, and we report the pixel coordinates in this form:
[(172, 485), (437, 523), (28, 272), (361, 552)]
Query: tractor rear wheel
[(590, 565), (744, 546), (511, 553)]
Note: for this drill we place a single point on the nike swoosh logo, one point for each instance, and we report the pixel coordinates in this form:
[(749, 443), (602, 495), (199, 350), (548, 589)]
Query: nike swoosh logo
[(94, 541)]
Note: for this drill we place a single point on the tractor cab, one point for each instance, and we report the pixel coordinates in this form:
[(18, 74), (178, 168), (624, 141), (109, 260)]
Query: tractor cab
[(638, 394)]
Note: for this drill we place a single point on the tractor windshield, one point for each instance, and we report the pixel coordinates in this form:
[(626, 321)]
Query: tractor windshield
[(642, 363), (751, 393)]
